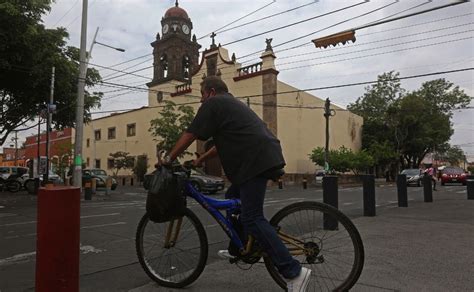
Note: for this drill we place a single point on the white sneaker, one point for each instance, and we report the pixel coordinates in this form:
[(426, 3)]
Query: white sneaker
[(224, 254), (299, 283)]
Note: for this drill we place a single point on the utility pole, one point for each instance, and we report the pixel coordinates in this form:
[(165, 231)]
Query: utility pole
[(327, 113), (48, 125), (77, 174), (16, 148)]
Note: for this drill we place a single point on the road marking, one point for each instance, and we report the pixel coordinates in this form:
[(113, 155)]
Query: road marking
[(18, 258), (26, 257), (347, 204), (103, 225), (100, 215), (31, 222), (7, 215), (461, 192)]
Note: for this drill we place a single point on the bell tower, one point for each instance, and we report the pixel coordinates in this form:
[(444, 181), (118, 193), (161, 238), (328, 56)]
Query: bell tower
[(176, 53)]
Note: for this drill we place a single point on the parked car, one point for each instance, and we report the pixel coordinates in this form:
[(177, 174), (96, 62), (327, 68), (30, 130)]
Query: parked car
[(7, 171), (453, 174), (206, 183), (414, 176), (101, 176), (29, 183)]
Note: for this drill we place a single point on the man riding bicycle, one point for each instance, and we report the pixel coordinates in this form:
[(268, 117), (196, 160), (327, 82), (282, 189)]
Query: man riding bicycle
[(250, 155)]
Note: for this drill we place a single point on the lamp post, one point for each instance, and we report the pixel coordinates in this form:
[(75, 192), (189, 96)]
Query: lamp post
[(84, 60)]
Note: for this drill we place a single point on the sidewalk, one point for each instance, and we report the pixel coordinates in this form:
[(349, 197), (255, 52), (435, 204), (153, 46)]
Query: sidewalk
[(425, 247)]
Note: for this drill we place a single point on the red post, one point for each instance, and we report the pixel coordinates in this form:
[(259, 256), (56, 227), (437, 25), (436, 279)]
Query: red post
[(57, 246)]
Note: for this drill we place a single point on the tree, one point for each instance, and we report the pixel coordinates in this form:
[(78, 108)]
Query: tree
[(343, 159), (28, 52), (62, 162), (408, 125), (171, 124), (453, 154), (121, 160), (373, 106), (141, 167)]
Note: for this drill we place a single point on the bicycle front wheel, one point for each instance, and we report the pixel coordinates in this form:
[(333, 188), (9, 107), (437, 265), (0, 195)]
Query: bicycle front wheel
[(322, 239), (172, 253)]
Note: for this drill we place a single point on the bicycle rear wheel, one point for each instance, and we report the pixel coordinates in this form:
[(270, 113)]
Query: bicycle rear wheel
[(324, 240), (171, 261)]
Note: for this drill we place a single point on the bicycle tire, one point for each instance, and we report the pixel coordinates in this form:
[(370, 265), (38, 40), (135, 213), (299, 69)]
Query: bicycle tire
[(13, 186), (163, 269), (326, 275)]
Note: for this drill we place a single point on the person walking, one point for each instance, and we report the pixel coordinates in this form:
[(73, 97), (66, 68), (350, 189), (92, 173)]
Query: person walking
[(250, 155), (432, 173)]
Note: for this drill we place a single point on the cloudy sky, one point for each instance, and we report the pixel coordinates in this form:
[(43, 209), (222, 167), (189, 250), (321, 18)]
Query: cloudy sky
[(437, 41)]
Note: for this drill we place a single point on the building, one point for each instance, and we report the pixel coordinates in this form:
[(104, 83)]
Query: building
[(60, 142), (13, 157), (295, 117)]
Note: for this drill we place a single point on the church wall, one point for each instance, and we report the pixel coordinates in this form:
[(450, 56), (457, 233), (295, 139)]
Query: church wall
[(141, 143), (301, 129)]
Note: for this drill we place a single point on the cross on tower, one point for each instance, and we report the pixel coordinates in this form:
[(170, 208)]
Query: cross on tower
[(213, 35)]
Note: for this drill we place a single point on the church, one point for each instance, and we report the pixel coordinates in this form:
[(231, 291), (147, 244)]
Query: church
[(295, 117)]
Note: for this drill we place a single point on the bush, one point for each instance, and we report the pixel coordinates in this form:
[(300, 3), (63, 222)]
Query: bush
[(343, 160)]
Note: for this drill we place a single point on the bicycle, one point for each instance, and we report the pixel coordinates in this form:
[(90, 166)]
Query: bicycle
[(174, 253)]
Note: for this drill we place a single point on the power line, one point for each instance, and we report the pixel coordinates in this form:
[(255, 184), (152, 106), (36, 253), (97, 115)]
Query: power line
[(295, 23), (263, 18), (111, 76), (376, 48), (376, 54), (67, 12), (240, 18), (372, 42)]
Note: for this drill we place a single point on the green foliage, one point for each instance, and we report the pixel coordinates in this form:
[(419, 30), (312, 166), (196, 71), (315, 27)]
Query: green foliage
[(405, 126), (470, 169), (28, 52), (343, 159), (453, 154), (61, 163), (141, 167), (122, 161), (172, 122)]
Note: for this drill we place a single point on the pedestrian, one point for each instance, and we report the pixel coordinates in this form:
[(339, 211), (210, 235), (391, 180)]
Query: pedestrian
[(431, 171), (250, 155)]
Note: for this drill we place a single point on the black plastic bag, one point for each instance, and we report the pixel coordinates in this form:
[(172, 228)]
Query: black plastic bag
[(165, 200)]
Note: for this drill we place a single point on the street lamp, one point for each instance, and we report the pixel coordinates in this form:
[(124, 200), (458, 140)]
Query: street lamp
[(84, 61), (118, 49)]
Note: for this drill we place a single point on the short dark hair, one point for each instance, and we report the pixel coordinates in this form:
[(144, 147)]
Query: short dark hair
[(214, 82)]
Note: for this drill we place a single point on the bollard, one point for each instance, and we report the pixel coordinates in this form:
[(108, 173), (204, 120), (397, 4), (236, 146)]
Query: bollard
[(108, 185), (305, 183), (131, 181), (57, 243), (124, 181), (280, 184), (94, 186), (37, 185), (470, 187), (330, 197), (402, 190), (87, 188), (369, 194), (427, 189)]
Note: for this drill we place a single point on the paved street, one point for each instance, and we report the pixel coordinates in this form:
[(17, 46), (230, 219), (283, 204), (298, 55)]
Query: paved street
[(427, 246)]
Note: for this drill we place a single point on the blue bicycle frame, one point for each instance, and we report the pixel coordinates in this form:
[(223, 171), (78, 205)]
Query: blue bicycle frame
[(213, 206)]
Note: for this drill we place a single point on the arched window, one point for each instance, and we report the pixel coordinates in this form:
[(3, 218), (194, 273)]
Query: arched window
[(186, 67), (164, 65)]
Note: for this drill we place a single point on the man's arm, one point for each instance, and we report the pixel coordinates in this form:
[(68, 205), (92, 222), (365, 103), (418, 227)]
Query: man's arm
[(183, 143), (209, 154)]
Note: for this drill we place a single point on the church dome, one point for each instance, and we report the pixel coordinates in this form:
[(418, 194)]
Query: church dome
[(176, 12)]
